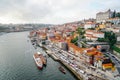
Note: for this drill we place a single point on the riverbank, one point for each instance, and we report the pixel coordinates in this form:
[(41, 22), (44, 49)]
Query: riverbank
[(56, 58), (52, 55), (71, 69), (2, 33), (17, 63), (78, 72)]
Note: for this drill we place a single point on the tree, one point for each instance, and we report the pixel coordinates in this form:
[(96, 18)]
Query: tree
[(102, 40), (80, 31), (74, 41), (72, 33), (118, 15), (114, 14), (111, 38)]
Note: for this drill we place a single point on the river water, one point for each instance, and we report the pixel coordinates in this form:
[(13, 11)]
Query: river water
[(16, 60)]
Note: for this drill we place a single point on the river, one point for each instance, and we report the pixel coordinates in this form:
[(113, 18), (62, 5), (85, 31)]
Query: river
[(16, 60)]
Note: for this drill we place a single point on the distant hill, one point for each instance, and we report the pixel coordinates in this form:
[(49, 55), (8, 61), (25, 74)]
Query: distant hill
[(2, 28), (22, 27)]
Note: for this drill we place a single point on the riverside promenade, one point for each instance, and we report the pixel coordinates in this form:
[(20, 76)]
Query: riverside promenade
[(56, 58), (80, 73)]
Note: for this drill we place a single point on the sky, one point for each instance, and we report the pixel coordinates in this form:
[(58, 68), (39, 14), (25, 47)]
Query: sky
[(52, 11)]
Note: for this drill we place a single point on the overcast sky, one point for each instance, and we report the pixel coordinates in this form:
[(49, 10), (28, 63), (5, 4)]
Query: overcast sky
[(52, 11)]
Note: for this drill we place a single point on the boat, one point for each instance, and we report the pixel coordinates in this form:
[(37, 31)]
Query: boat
[(43, 58), (62, 69), (38, 60)]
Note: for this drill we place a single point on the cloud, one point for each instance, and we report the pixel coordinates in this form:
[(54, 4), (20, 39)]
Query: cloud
[(52, 11)]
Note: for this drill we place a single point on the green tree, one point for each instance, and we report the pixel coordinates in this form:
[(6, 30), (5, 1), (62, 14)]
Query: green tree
[(72, 33), (114, 14), (80, 31), (74, 41), (118, 15), (102, 40), (111, 38)]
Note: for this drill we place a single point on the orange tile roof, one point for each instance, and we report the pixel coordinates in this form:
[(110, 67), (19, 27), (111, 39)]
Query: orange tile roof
[(109, 65), (90, 51), (76, 48), (93, 51)]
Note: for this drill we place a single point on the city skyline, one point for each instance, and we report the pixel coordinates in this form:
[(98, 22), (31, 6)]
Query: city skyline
[(52, 11)]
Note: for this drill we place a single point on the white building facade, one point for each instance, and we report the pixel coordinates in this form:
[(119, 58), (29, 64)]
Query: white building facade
[(103, 16)]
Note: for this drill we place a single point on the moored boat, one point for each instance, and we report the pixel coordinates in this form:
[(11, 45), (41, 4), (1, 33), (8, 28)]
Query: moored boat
[(62, 69), (43, 59), (38, 60)]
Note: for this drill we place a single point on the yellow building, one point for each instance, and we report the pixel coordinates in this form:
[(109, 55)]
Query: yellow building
[(101, 26), (76, 35)]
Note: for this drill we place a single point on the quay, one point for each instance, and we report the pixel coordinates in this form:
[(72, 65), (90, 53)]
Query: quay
[(75, 72), (86, 61), (72, 70), (51, 51), (52, 54)]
